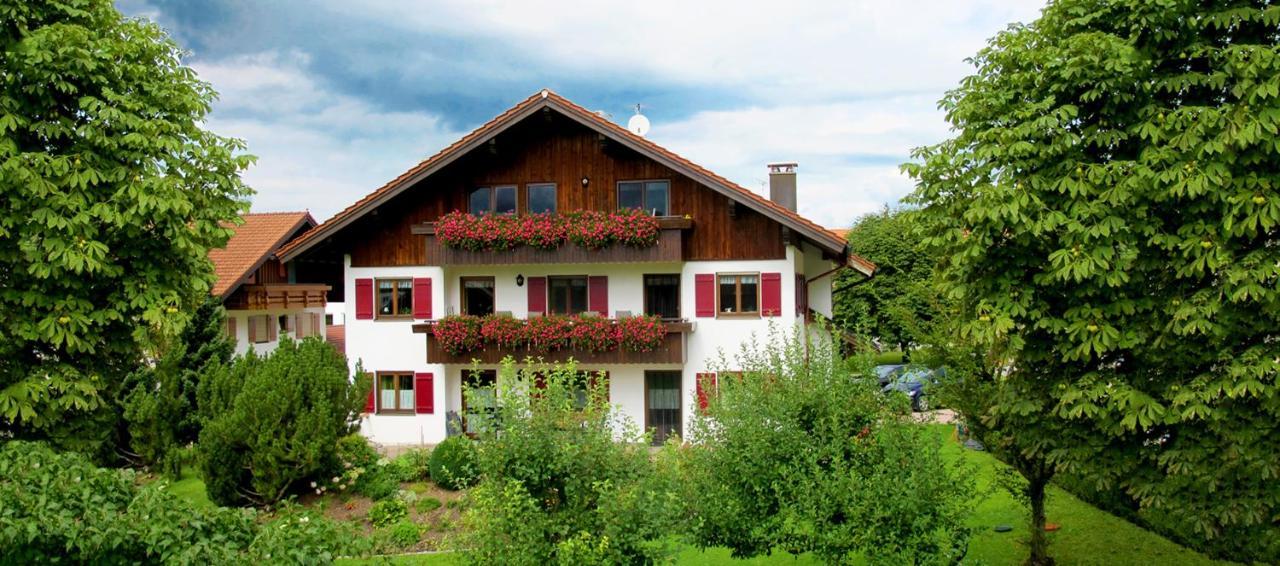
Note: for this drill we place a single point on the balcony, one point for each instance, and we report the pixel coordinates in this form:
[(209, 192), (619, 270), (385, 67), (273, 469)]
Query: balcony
[(671, 351), (669, 248), (277, 296)]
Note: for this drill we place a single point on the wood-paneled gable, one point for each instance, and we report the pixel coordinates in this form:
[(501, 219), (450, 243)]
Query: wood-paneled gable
[(549, 148)]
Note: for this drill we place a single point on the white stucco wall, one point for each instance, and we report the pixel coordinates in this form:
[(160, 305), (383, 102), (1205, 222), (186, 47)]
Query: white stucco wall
[(242, 328), (382, 345)]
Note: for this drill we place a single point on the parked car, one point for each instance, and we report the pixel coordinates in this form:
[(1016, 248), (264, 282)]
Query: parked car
[(914, 382), (886, 373)]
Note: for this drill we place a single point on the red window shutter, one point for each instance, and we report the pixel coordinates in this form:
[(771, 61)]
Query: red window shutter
[(598, 294), (704, 291), (424, 393), (771, 294), (706, 383), (537, 294), (422, 297), (368, 403), (364, 299)]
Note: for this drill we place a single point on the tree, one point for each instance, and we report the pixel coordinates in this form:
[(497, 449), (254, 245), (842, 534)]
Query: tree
[(1107, 215), (794, 453), (113, 194), (161, 409), (271, 422), (876, 308)]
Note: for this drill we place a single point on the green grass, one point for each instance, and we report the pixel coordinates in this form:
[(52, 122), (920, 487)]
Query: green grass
[(1087, 535), (191, 488)]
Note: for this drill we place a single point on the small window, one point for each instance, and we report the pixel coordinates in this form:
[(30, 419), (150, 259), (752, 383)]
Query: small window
[(395, 392), (662, 296), (481, 405), (542, 198), (395, 298), (567, 295), (328, 320), (498, 200), (258, 328), (739, 294), (477, 295), (285, 323), (650, 196)]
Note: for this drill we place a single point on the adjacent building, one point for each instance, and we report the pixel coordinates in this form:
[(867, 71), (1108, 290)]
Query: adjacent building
[(651, 235)]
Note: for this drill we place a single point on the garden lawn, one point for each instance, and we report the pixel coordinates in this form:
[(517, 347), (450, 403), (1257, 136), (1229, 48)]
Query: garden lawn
[(1087, 535), (191, 488)]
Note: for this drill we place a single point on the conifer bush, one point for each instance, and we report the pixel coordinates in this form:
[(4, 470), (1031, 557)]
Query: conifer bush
[(273, 422)]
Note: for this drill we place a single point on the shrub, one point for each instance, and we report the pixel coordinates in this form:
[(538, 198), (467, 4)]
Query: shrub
[(403, 535), (428, 504), (453, 464), (59, 507), (793, 453), (273, 422), (387, 511), (555, 486), (417, 463)]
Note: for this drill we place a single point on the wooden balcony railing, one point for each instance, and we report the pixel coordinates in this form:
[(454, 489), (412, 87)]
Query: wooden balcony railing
[(672, 351), (277, 296), (670, 248)]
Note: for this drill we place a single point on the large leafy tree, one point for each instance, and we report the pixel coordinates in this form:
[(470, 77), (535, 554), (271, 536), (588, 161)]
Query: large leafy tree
[(1109, 210), (883, 307), (112, 195)]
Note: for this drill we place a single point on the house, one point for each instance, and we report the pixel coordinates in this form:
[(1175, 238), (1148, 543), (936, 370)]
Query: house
[(479, 229), (260, 294)]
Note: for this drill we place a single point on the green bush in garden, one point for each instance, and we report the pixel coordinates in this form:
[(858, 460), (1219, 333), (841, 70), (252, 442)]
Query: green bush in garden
[(560, 482), (402, 535), (794, 453), (413, 465), (60, 507), (362, 470), (387, 512), (452, 464), (272, 423)]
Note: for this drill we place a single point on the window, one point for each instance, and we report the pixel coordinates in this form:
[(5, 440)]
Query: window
[(395, 392), (662, 404), (567, 295), (498, 200), (649, 196), (480, 400), (477, 295), (662, 296), (542, 198), (328, 320), (395, 298), (258, 329), (740, 294), (286, 323)]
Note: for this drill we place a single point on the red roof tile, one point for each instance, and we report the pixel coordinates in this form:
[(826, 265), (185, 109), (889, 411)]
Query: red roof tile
[(821, 235), (254, 242)]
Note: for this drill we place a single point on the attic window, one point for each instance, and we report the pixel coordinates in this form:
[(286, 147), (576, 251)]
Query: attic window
[(653, 197), (493, 200)]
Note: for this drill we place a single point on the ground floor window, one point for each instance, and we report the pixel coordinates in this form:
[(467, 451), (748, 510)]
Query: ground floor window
[(395, 392), (662, 404), (480, 405), (260, 329)]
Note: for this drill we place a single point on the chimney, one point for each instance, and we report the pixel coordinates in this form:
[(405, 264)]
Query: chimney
[(782, 184)]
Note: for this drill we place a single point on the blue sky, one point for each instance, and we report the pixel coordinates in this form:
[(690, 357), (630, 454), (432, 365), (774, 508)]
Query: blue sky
[(336, 97)]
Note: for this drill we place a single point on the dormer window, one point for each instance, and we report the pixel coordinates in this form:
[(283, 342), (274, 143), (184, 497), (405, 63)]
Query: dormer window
[(493, 200), (653, 197)]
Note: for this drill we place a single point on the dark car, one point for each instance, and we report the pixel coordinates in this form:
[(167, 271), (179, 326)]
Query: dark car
[(914, 382), (886, 373)]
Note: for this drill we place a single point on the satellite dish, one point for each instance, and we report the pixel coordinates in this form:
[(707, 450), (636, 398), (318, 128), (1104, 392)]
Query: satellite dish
[(638, 124)]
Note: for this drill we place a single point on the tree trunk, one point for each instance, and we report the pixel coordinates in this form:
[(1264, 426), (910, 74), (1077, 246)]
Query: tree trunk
[(1039, 544)]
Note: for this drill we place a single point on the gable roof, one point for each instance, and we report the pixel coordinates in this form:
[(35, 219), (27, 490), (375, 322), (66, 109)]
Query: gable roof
[(253, 244), (548, 99)]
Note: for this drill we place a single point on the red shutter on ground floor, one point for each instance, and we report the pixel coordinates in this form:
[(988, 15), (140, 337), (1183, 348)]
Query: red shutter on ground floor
[(706, 385), (422, 297), (364, 299), (598, 294), (771, 294), (537, 294), (424, 393), (368, 404), (704, 293)]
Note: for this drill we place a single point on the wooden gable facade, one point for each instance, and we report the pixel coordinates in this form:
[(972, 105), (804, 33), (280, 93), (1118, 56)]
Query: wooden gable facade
[(550, 148)]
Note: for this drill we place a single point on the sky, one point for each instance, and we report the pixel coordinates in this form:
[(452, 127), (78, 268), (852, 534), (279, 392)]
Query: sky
[(336, 97)]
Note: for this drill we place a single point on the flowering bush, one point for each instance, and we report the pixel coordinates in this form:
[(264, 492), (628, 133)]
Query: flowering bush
[(458, 333), (462, 333), (588, 228), (641, 333), (594, 334)]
